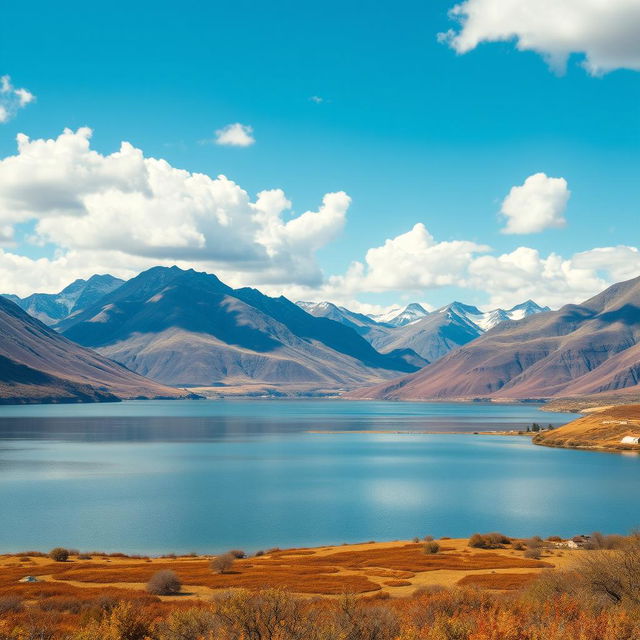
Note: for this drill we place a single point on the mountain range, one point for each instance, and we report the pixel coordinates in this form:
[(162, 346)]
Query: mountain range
[(190, 329), (590, 348), (427, 336), (37, 364), (50, 308), (169, 328)]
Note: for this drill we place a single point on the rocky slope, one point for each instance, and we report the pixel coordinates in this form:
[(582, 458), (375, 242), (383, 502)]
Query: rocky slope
[(577, 350), (188, 328), (39, 365)]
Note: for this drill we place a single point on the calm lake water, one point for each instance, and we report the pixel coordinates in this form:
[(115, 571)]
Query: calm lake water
[(206, 476)]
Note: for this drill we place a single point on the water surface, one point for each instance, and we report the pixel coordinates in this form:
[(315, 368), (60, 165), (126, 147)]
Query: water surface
[(205, 476)]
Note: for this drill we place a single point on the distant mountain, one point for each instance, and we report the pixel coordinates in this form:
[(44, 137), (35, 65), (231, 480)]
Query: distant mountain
[(39, 365), (53, 307), (579, 350), (414, 330), (188, 328), (398, 316)]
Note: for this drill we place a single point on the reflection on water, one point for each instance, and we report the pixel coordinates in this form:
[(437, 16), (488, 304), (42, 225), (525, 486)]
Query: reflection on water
[(205, 476)]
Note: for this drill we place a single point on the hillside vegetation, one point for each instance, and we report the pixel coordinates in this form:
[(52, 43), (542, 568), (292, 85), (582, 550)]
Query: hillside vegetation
[(603, 430)]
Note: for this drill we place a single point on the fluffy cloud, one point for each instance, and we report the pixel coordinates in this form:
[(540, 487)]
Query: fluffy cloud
[(83, 201), (411, 262), (536, 205), (605, 32), (553, 280), (12, 99), (235, 135)]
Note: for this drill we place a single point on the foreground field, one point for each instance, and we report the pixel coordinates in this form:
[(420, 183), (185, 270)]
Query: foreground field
[(433, 590), (429, 590), (398, 568)]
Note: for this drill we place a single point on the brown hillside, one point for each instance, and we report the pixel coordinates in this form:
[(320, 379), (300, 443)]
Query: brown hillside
[(600, 430)]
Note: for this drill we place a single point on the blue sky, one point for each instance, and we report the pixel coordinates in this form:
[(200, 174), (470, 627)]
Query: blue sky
[(411, 130)]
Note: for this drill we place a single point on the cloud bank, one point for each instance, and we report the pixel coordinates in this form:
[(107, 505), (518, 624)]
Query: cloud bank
[(603, 32), (84, 201), (123, 212)]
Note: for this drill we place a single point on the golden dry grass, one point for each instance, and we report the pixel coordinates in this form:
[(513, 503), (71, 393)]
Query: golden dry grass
[(329, 571), (498, 581)]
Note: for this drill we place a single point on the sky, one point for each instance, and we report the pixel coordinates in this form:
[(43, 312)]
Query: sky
[(486, 151)]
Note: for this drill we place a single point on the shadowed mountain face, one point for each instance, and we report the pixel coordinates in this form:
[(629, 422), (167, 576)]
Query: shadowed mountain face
[(39, 365), (53, 307), (580, 349), (188, 328)]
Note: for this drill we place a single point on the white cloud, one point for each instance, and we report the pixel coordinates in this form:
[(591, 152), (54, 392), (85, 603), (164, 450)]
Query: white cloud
[(316, 99), (536, 205), (604, 32), (83, 201), (555, 281), (123, 212), (411, 263), (235, 135), (12, 99)]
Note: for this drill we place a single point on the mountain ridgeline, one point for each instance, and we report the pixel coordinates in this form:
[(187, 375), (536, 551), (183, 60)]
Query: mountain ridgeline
[(37, 364), (428, 336), (50, 308), (579, 350), (169, 328), (188, 328)]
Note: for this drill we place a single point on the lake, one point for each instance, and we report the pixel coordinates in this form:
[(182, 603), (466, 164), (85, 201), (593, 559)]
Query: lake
[(204, 476)]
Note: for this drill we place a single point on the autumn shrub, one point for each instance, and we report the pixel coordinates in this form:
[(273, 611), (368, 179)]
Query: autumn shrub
[(614, 574), (222, 563), (187, 624), (534, 553), (359, 620), (265, 614), (431, 547), (488, 540), (164, 583), (10, 604), (59, 554), (238, 553), (124, 622), (598, 541)]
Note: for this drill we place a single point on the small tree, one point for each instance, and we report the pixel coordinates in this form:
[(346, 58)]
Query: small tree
[(164, 583), (431, 547), (59, 554), (222, 563)]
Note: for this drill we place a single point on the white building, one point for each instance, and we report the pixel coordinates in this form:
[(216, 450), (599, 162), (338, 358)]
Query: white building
[(630, 440)]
